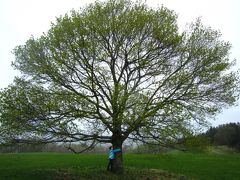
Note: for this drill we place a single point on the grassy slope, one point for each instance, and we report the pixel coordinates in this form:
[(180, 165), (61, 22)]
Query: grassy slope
[(199, 166), (27, 165), (67, 166)]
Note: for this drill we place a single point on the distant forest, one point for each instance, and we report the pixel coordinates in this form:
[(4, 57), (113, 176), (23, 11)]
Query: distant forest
[(226, 134), (222, 135)]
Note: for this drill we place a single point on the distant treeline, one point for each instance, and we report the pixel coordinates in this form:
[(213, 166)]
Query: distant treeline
[(226, 134), (223, 135), (50, 147)]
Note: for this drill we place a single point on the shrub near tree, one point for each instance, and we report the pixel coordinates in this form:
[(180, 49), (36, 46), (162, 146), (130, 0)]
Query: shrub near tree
[(113, 71)]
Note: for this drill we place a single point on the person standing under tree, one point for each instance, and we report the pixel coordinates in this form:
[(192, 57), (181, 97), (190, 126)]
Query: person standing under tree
[(111, 157)]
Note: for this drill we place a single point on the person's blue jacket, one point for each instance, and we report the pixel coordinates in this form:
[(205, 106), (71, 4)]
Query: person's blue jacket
[(111, 154)]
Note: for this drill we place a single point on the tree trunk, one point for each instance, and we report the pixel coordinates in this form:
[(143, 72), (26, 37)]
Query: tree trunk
[(117, 165)]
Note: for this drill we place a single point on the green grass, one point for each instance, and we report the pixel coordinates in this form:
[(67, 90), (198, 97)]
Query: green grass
[(137, 166), (198, 166)]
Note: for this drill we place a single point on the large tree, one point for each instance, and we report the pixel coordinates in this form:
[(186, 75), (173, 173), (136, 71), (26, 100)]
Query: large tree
[(113, 71)]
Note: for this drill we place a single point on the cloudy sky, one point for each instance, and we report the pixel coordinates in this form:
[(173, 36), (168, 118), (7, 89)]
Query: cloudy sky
[(20, 19)]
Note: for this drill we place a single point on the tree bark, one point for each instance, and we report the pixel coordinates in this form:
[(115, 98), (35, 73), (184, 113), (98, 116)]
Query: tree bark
[(117, 165)]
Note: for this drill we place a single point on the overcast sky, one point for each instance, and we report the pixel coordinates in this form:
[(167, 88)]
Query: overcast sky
[(19, 19)]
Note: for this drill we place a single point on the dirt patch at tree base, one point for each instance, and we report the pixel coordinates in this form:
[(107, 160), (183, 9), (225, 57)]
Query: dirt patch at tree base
[(129, 174)]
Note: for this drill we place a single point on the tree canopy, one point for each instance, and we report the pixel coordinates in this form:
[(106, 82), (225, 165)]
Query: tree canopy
[(117, 70)]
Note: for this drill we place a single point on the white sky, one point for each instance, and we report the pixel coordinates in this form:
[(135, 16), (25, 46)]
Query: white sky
[(19, 19)]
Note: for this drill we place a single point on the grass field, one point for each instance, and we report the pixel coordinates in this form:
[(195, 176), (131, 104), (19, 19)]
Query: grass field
[(137, 166)]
